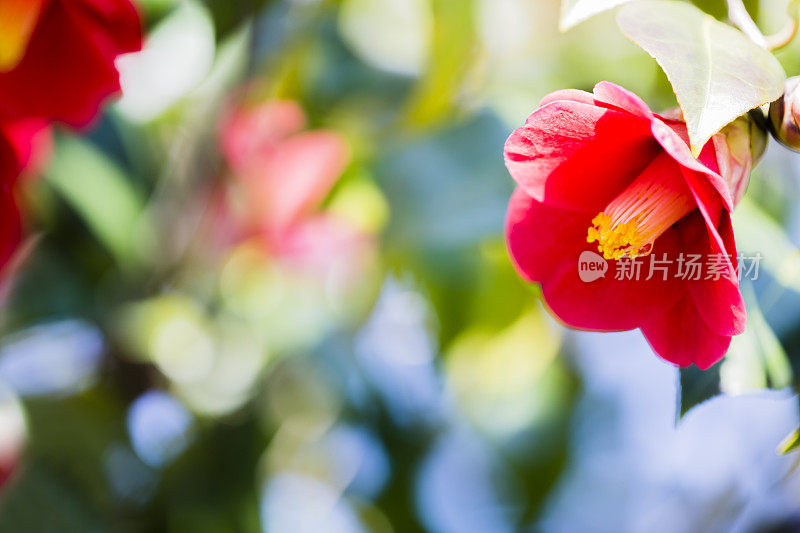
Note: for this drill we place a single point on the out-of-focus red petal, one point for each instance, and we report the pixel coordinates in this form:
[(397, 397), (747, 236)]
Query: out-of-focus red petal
[(24, 144), (18, 19), (68, 70), (570, 154), (323, 245), (114, 25), (250, 133), (296, 177)]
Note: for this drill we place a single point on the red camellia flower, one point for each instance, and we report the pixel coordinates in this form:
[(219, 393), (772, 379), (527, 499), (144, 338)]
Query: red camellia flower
[(57, 56), (602, 173)]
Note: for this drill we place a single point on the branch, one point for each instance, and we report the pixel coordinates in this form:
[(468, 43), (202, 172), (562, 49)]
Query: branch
[(785, 35), (738, 15)]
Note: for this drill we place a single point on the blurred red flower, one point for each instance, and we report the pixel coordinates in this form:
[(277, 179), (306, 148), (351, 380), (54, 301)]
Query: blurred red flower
[(602, 168), (284, 172), (24, 144), (57, 56), (282, 175)]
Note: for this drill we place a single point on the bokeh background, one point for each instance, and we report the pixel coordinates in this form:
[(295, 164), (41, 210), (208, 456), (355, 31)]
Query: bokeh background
[(268, 291)]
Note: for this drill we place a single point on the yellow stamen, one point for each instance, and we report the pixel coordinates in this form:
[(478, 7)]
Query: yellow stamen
[(630, 224)]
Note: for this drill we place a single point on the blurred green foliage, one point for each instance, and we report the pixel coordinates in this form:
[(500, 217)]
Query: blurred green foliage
[(438, 337)]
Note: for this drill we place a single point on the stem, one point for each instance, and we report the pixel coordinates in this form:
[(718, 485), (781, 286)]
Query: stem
[(738, 14), (785, 35)]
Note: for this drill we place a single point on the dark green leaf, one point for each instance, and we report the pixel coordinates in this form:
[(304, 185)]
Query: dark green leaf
[(696, 386)]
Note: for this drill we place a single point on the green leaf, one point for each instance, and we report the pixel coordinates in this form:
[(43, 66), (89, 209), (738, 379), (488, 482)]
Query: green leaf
[(790, 443), (452, 53), (716, 72), (574, 12), (101, 194), (696, 386)]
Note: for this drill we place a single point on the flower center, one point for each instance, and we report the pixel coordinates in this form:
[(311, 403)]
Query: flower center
[(648, 207)]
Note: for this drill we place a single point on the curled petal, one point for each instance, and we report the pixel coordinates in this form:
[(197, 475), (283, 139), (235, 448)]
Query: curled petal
[(295, 177), (573, 95), (578, 156), (677, 147), (612, 94)]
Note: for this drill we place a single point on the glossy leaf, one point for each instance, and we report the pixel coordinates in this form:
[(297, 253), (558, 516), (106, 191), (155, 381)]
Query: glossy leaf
[(101, 193), (451, 54), (716, 72)]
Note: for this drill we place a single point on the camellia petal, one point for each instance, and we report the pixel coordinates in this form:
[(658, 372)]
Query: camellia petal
[(568, 142), (613, 94), (682, 337), (537, 252), (24, 145), (675, 145), (573, 95), (552, 258), (718, 299)]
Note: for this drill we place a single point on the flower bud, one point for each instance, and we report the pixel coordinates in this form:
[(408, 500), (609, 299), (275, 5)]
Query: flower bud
[(739, 146), (784, 115)]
